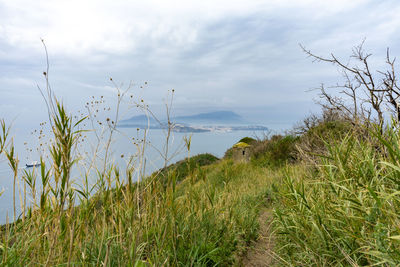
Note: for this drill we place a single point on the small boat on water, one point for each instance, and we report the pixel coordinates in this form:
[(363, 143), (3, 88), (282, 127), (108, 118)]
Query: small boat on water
[(33, 164)]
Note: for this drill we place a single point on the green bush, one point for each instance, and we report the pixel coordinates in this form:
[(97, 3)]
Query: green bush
[(183, 168), (248, 140), (275, 151)]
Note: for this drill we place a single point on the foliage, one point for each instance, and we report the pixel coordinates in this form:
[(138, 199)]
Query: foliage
[(275, 151), (344, 211), (183, 168), (247, 140), (241, 145), (313, 142)]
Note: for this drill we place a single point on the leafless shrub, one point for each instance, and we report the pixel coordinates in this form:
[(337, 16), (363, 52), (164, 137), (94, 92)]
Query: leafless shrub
[(364, 94), (315, 131)]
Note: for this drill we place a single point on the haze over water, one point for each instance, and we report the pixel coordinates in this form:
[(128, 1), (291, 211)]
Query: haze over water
[(215, 143)]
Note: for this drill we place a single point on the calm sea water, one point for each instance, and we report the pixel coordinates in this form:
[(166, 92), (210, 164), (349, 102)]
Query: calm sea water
[(122, 147)]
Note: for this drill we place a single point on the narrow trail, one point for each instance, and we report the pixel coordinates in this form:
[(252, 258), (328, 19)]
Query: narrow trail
[(260, 254)]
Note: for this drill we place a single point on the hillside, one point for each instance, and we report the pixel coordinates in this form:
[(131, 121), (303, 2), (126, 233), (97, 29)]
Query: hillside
[(325, 197)]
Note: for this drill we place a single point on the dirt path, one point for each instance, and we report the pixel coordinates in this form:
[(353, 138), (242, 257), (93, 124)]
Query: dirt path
[(261, 252)]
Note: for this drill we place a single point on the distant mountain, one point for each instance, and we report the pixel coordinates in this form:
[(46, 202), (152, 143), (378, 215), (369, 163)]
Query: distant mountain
[(202, 122), (216, 117), (140, 120), (209, 118)]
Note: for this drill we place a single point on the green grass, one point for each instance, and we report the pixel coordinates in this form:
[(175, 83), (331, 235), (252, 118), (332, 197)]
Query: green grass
[(198, 212), (275, 152), (206, 220), (337, 207), (183, 168), (344, 211)]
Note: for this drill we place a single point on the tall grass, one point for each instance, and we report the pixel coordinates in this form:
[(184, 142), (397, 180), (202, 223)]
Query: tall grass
[(187, 215), (345, 210), (200, 221)]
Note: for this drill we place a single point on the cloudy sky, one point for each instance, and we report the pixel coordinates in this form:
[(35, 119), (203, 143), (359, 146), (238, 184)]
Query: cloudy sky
[(217, 55)]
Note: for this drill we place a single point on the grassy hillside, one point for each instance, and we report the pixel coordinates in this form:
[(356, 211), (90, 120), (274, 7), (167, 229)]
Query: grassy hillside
[(199, 211), (333, 191), (207, 219)]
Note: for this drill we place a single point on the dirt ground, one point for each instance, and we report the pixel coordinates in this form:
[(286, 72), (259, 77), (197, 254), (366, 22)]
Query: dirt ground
[(260, 254)]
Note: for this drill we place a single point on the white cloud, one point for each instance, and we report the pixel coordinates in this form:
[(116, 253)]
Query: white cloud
[(212, 52), (80, 27)]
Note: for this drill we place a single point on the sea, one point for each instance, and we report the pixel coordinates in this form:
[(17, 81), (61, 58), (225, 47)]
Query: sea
[(125, 146)]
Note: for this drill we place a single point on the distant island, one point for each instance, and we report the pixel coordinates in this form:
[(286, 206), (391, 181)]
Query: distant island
[(217, 121)]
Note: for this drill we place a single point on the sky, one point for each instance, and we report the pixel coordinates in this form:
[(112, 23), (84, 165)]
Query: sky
[(242, 56)]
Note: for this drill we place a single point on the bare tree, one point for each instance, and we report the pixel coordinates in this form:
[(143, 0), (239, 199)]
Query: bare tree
[(363, 94)]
